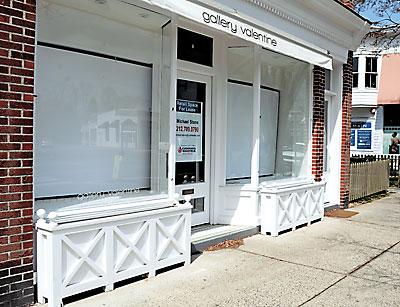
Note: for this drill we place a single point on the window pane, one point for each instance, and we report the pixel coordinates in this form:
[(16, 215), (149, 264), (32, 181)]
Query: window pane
[(239, 115), (187, 170), (370, 80), (374, 65), (371, 64), (328, 79), (291, 78), (240, 64), (93, 126), (355, 64), (269, 108), (373, 80), (368, 65), (98, 119), (239, 132), (355, 80), (194, 47)]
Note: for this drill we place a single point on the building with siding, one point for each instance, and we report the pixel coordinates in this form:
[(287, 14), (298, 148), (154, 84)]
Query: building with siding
[(376, 104)]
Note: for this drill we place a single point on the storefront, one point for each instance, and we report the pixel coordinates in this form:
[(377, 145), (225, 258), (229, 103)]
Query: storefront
[(155, 116)]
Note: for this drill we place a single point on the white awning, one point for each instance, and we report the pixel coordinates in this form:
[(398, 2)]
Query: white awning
[(235, 27)]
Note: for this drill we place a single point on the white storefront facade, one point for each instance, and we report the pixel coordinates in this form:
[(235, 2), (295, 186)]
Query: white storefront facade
[(155, 116)]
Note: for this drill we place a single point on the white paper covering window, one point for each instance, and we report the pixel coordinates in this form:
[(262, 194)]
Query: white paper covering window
[(98, 120), (93, 124), (269, 107), (291, 78), (239, 132)]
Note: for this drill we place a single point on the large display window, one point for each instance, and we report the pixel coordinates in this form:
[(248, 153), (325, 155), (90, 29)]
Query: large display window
[(284, 112), (99, 114), (290, 80)]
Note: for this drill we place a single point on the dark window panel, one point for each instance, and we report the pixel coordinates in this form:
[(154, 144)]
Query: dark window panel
[(194, 47), (355, 80), (371, 64), (355, 64)]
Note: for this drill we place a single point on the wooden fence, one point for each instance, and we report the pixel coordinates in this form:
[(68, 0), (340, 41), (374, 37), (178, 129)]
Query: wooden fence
[(394, 162), (367, 178)]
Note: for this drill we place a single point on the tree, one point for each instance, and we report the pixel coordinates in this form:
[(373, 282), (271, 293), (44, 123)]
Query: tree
[(386, 30)]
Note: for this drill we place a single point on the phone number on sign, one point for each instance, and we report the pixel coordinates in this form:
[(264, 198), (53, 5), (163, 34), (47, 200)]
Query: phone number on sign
[(186, 129)]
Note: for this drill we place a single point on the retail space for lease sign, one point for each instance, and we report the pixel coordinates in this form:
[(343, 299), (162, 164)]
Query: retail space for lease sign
[(189, 131)]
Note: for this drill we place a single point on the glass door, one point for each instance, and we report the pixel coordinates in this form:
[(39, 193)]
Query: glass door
[(193, 123)]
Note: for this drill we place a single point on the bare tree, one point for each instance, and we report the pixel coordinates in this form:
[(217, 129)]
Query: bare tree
[(386, 30)]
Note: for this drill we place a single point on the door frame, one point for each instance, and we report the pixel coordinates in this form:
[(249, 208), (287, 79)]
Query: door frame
[(204, 189)]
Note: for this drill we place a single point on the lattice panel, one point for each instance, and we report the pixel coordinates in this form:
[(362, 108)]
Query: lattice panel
[(131, 246), (291, 208), (285, 210), (170, 239), (83, 257), (86, 255), (301, 202), (316, 202)]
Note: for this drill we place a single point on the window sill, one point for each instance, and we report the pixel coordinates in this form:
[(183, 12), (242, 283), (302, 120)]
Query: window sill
[(330, 93), (286, 183), (72, 211)]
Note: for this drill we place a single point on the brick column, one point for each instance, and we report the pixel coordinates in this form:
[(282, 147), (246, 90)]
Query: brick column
[(17, 47), (318, 122), (346, 128)]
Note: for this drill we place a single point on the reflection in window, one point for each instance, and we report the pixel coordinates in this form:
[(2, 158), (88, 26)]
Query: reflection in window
[(291, 78)]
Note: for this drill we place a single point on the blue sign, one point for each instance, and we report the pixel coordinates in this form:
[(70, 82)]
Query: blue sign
[(353, 138), (358, 125), (364, 139)]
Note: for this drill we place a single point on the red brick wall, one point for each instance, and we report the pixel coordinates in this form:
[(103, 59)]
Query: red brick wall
[(346, 128), (318, 122), (17, 47), (348, 3)]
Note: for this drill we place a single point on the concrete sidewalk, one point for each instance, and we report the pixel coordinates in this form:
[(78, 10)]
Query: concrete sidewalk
[(337, 262)]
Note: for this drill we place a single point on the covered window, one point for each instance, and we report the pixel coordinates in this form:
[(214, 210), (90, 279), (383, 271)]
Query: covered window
[(355, 72), (100, 109), (284, 118), (285, 131), (239, 114), (371, 72)]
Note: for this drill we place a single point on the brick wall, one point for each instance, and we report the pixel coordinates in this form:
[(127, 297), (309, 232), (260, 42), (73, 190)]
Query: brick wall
[(318, 122), (346, 128), (348, 3), (17, 32)]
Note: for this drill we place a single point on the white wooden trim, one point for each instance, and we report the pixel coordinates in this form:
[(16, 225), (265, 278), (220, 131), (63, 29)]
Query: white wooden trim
[(66, 249), (255, 157)]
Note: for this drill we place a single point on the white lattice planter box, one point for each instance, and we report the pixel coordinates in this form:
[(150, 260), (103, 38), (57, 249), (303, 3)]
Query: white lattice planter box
[(288, 206), (78, 256)]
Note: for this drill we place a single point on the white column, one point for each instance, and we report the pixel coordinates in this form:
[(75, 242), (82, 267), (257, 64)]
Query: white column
[(172, 154), (255, 158)]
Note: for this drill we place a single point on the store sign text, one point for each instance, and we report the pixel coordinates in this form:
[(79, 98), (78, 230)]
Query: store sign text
[(96, 195), (189, 131), (241, 29)]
